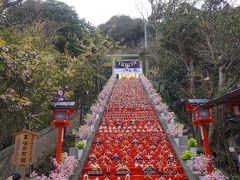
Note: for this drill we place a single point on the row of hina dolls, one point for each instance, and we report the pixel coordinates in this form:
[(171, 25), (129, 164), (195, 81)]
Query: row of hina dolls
[(125, 126), (130, 139), (151, 153), (128, 94)]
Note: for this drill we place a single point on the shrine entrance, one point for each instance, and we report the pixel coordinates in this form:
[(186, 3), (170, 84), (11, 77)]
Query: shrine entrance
[(128, 68)]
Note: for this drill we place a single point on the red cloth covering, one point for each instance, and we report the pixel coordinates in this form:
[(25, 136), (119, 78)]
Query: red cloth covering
[(130, 129)]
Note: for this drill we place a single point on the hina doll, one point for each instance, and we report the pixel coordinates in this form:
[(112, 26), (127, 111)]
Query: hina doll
[(95, 166)]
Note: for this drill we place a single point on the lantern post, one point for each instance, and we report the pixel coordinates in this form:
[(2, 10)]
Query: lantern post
[(206, 145), (62, 108), (61, 112), (201, 117)]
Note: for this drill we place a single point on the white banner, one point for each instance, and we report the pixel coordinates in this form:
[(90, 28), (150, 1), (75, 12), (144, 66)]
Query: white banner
[(128, 70)]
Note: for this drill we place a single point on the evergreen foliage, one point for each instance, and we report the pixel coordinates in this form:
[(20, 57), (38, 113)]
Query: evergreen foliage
[(123, 28), (44, 45), (194, 53)]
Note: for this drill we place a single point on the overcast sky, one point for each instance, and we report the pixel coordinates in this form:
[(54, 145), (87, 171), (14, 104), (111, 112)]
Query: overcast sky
[(100, 11)]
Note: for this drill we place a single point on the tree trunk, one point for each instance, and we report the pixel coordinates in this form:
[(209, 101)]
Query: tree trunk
[(188, 62), (222, 77), (192, 79), (221, 83), (231, 165), (146, 66)]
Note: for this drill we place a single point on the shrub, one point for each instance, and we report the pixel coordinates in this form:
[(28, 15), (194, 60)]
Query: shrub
[(63, 171), (176, 130), (187, 155), (84, 132), (201, 163), (192, 142), (80, 145), (215, 175)]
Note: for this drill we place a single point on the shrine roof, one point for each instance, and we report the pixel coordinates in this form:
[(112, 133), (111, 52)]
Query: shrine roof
[(197, 101), (62, 104), (231, 98)]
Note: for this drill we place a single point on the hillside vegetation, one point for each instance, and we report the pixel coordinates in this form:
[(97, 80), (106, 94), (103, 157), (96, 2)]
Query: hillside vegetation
[(43, 46)]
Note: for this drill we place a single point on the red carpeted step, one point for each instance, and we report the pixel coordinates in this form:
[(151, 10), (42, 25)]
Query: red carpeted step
[(130, 136), (134, 177), (134, 170)]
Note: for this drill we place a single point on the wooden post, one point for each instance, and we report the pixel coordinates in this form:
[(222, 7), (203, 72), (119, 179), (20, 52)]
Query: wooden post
[(59, 144), (22, 171), (206, 145)]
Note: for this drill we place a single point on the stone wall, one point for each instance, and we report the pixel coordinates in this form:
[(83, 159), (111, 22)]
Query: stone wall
[(47, 140)]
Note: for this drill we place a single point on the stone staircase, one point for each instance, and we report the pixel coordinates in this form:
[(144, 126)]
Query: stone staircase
[(131, 141)]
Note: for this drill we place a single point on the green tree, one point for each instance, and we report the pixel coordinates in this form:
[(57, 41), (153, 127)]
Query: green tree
[(25, 88), (33, 67), (60, 23), (215, 5), (4, 4), (220, 41), (123, 28), (194, 53)]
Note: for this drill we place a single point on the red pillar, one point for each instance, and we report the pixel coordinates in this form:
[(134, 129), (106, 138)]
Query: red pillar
[(59, 144), (206, 145)]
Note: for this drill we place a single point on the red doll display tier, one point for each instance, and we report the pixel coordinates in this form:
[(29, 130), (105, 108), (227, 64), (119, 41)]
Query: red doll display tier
[(130, 142)]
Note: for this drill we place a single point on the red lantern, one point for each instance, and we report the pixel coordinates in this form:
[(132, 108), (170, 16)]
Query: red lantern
[(61, 111), (192, 103), (201, 116)]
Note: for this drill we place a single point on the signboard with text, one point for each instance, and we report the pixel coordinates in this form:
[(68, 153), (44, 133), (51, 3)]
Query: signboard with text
[(127, 64), (25, 146), (127, 67), (128, 71)]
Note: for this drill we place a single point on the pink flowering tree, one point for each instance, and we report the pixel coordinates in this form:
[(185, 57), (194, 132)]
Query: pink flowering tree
[(147, 84), (159, 108), (65, 170), (84, 132), (215, 175), (96, 108), (162, 108), (157, 100), (200, 163), (102, 96), (149, 87), (107, 89), (90, 119), (102, 103), (153, 96), (168, 117), (176, 130)]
